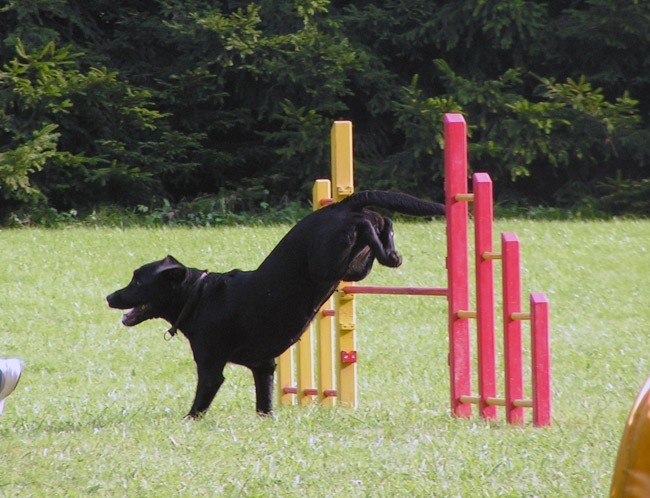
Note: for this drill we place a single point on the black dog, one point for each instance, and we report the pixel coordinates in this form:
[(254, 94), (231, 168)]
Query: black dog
[(251, 317)]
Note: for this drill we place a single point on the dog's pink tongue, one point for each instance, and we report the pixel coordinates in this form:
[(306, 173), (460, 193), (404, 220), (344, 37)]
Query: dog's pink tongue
[(127, 318)]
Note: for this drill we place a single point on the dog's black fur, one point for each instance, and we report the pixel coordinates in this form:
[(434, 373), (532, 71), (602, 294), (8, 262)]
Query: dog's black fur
[(251, 317)]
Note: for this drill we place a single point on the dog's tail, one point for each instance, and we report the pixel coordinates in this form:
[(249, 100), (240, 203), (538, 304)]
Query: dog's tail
[(394, 201)]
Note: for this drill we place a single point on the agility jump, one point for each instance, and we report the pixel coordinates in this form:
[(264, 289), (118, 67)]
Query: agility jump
[(334, 328)]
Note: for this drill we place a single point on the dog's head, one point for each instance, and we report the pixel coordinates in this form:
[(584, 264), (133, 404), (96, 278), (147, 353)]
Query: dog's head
[(150, 291)]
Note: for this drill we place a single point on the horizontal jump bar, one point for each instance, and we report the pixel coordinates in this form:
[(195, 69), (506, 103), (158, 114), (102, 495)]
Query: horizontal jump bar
[(310, 391), (475, 400), (406, 291)]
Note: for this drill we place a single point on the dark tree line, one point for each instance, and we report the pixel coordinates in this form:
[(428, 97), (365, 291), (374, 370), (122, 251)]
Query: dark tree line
[(135, 102)]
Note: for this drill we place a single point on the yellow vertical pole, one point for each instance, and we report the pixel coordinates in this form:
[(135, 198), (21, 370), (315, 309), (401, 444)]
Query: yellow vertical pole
[(347, 359), (306, 387), (323, 323), (342, 170), (343, 186), (286, 380), (326, 379)]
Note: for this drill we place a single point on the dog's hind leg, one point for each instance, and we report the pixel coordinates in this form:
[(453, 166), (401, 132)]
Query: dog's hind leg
[(263, 376), (210, 380)]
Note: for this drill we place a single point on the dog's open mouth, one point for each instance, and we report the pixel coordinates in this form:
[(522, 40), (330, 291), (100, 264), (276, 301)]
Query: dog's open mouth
[(137, 315)]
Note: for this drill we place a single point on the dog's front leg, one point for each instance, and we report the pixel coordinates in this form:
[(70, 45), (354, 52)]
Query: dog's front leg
[(386, 237), (381, 244), (209, 381), (263, 376)]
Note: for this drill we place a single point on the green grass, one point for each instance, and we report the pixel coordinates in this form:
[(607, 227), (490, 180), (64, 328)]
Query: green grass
[(99, 408)]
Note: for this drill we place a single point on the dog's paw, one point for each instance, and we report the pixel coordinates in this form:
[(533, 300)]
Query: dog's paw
[(394, 260), (191, 417)]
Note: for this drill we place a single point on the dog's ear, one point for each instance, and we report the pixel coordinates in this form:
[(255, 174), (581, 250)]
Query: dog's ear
[(172, 261), (172, 268)]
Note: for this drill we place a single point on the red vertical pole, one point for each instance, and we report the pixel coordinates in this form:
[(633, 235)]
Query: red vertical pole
[(483, 221), (512, 328), (541, 359), (455, 131)]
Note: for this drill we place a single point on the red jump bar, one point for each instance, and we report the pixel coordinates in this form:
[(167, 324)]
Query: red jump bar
[(406, 291)]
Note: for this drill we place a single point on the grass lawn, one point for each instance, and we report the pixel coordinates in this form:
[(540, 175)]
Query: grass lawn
[(99, 408)]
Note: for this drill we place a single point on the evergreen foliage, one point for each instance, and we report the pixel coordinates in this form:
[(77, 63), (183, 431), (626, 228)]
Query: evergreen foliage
[(142, 103)]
